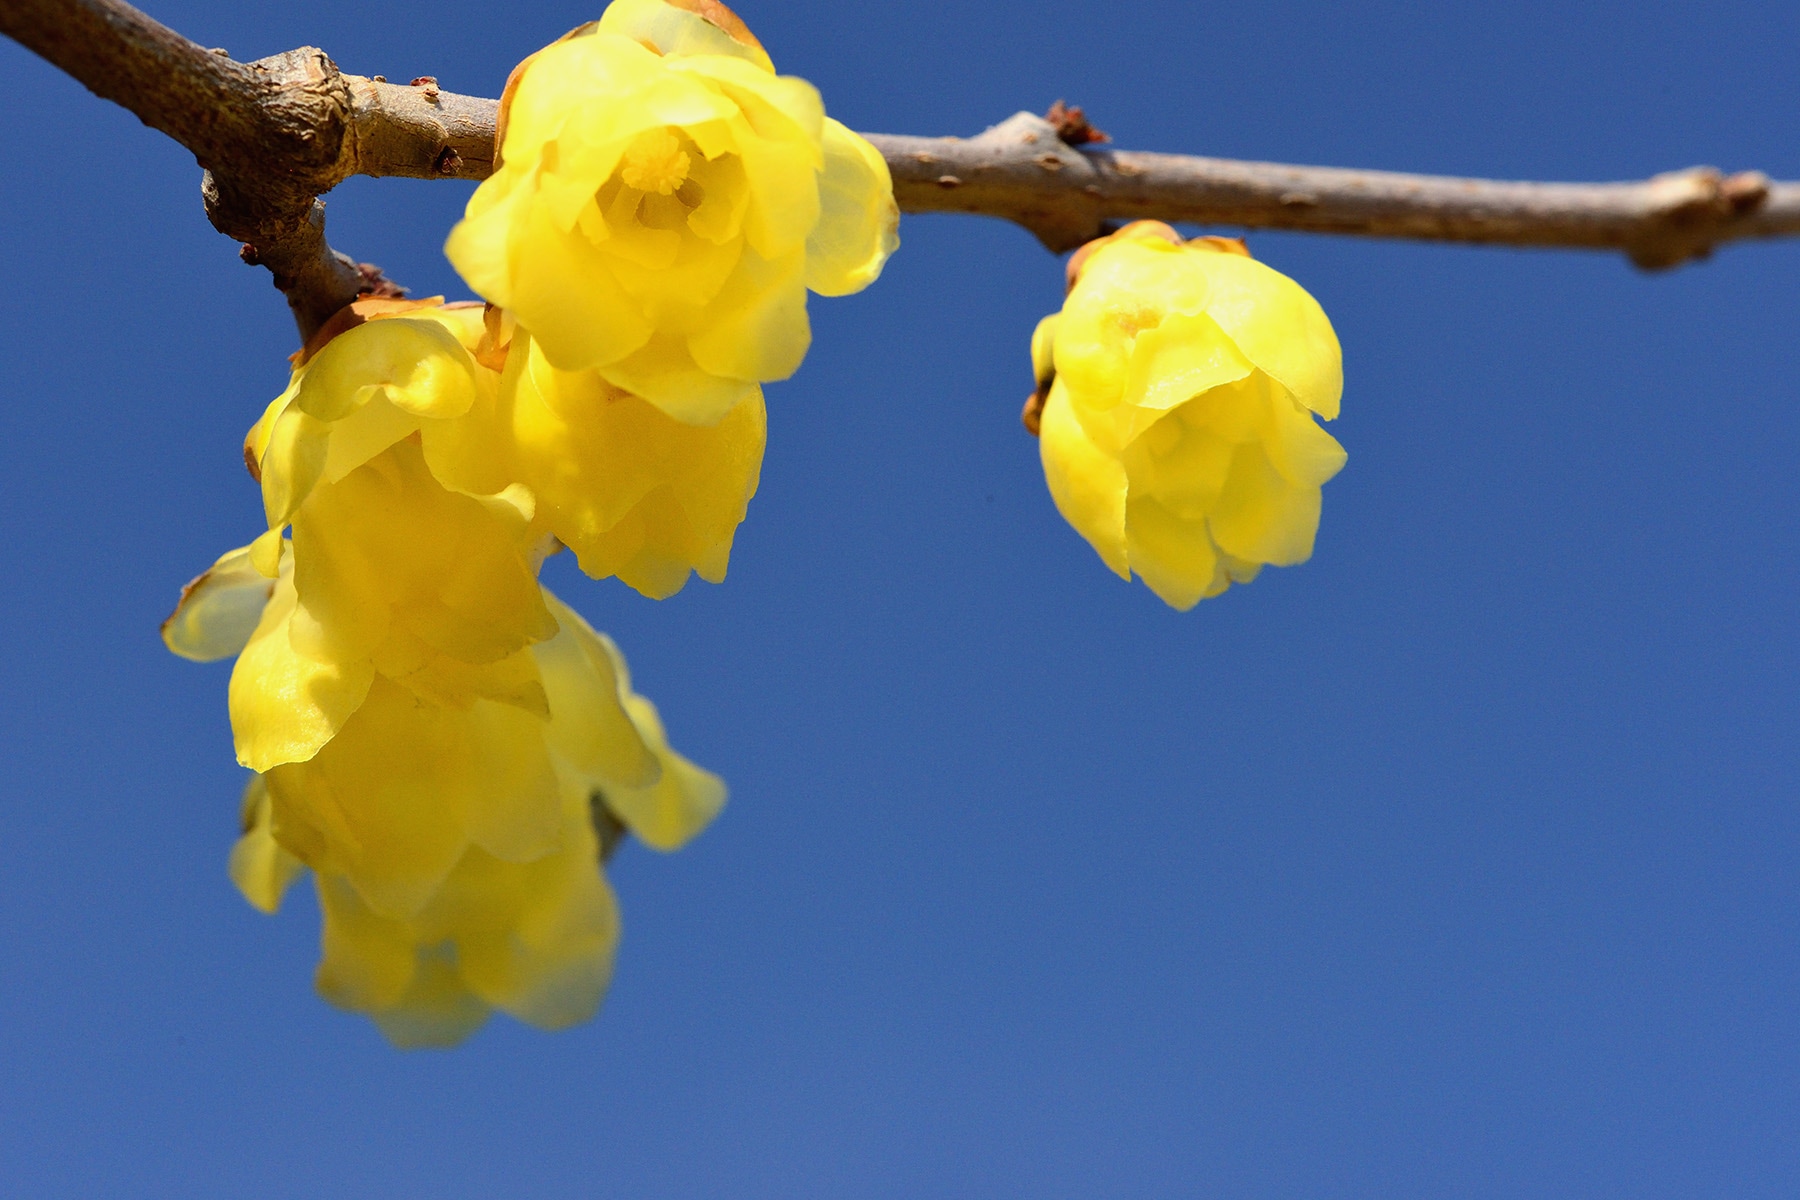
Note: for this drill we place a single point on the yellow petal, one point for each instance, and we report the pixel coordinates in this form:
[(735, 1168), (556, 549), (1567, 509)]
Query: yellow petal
[(550, 962), (376, 965), (1183, 356), (266, 553), (1305, 454), (589, 725), (859, 223), (565, 292), (687, 28), (1043, 349), (285, 706), (402, 790), (1278, 326), (419, 365), (759, 329), (1172, 554), (679, 805), (1088, 485), (260, 866), (1261, 517), (218, 612), (665, 369)]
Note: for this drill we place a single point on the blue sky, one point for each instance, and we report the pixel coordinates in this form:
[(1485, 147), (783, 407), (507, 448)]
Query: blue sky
[(1457, 861)]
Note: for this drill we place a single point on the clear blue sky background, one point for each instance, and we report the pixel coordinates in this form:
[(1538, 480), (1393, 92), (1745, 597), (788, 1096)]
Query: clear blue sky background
[(1459, 861)]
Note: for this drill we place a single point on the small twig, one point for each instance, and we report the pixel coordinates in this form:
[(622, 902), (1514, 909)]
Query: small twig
[(276, 134)]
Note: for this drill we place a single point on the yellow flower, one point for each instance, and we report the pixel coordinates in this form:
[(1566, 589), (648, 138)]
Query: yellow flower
[(455, 849), (663, 203), (369, 380), (1178, 388), (631, 490), (393, 578)]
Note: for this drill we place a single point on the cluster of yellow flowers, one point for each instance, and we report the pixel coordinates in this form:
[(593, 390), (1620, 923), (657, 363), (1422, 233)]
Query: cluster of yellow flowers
[(443, 743), (447, 747)]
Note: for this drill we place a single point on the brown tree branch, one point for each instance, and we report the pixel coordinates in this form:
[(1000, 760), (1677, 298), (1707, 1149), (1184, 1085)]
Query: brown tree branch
[(276, 134)]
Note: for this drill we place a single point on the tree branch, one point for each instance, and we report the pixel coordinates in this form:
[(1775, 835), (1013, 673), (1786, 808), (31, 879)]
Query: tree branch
[(275, 134), (1019, 170)]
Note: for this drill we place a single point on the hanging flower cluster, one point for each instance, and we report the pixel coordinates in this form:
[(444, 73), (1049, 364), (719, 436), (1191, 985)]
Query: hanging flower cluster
[(1177, 391), (441, 742), (448, 749)]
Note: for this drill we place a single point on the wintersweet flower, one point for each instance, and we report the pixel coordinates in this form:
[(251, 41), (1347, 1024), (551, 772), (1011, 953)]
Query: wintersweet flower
[(1177, 394), (368, 380), (631, 490), (455, 848), (663, 202)]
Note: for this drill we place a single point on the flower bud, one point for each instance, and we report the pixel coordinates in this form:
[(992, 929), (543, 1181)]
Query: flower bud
[(1177, 427)]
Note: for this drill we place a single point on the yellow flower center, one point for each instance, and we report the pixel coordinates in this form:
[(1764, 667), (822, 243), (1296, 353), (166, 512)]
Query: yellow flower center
[(655, 162)]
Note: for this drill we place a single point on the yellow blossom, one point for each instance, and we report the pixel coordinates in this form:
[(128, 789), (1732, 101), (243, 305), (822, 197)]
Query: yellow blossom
[(368, 380), (663, 203), (454, 849), (634, 492), (1179, 386), (631, 490)]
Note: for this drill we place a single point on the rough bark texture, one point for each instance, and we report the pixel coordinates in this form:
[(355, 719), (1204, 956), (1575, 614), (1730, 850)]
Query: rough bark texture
[(274, 135)]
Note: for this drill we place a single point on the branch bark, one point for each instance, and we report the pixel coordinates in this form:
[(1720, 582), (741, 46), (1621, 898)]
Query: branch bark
[(274, 135)]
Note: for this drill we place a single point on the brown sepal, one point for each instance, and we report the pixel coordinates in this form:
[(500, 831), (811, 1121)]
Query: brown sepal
[(1223, 245), (1032, 415), (497, 327)]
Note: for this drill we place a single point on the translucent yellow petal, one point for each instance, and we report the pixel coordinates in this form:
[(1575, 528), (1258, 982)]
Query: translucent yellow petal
[(1176, 360), (550, 963), (409, 661), (859, 223), (759, 329), (419, 365), (590, 727), (397, 796), (1088, 485), (665, 369), (257, 440), (1278, 326), (680, 30), (564, 291), (480, 245), (1304, 453), (218, 611), (292, 464), (369, 962), (1172, 554), (669, 813), (285, 706), (388, 545), (267, 552), (260, 866), (778, 107), (559, 90), (1183, 468), (1261, 517), (437, 1012), (363, 434)]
